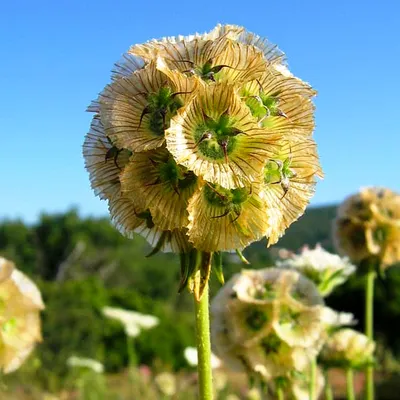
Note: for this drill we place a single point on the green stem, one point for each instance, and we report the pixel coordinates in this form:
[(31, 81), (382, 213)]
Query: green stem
[(131, 351), (279, 392), (131, 364), (328, 387), (369, 320), (313, 374), (350, 384), (203, 346)]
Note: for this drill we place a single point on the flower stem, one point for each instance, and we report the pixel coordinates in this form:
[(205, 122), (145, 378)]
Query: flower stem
[(132, 361), (203, 346), (328, 388), (369, 320), (313, 373), (279, 392), (350, 384), (131, 352)]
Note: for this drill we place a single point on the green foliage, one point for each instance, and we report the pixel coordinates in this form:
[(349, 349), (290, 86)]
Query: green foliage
[(73, 324), (83, 264)]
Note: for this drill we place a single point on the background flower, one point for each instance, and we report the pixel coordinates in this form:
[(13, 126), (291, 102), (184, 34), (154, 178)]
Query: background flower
[(326, 270), (20, 305), (269, 322), (368, 226), (94, 365), (347, 348)]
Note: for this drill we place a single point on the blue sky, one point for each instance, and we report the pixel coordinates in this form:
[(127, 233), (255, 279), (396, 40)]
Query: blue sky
[(57, 55)]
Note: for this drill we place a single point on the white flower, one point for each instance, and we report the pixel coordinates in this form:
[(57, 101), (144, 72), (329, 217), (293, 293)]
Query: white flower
[(326, 270), (191, 357), (268, 321), (133, 321), (94, 365), (334, 319), (166, 383), (348, 348), (132, 330)]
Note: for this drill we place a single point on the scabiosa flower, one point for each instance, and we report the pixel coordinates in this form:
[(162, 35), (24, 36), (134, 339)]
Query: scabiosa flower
[(326, 270), (367, 226), (20, 305), (347, 348), (203, 144), (268, 322)]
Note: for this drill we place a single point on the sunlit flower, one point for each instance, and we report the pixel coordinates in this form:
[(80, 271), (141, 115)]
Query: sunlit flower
[(203, 143), (132, 321), (190, 354), (103, 161), (165, 187), (347, 348), (334, 320), (326, 270), (82, 362), (225, 219), (288, 180), (368, 226), (217, 138), (267, 321), (166, 383), (135, 110), (20, 305)]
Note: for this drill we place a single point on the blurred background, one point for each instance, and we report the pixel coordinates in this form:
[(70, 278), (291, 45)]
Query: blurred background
[(56, 58)]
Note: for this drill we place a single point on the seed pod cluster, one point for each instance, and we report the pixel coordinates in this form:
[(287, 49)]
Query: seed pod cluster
[(203, 142)]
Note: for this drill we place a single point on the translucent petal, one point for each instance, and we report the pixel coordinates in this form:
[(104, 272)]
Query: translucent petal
[(246, 150), (154, 181), (288, 194), (288, 109), (182, 55), (103, 161), (270, 51), (129, 111), (240, 63), (129, 220), (278, 360), (125, 67), (225, 227)]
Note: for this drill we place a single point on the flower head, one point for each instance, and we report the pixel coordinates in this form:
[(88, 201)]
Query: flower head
[(368, 226), (347, 348), (326, 270), (20, 305), (269, 322), (203, 143)]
